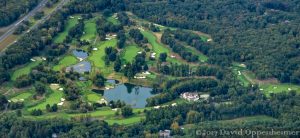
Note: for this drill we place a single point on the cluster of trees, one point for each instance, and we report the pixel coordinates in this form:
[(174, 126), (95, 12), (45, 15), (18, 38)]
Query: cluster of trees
[(111, 55), (76, 31), (185, 70), (139, 64), (99, 80), (137, 36), (11, 10), (124, 19), (168, 39), (104, 27), (52, 108)]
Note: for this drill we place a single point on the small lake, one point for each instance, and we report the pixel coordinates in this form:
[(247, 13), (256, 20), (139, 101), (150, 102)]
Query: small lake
[(130, 94), (81, 67), (80, 54)]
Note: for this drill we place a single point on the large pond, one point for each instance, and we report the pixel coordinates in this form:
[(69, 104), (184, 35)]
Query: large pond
[(81, 67), (131, 94), (80, 54)]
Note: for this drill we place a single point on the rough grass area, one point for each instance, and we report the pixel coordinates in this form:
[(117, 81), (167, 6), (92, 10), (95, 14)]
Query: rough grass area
[(130, 52), (70, 23), (24, 70), (89, 30), (242, 120), (65, 62)]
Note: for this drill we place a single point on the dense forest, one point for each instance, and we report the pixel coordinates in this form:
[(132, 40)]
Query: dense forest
[(11, 10), (263, 35)]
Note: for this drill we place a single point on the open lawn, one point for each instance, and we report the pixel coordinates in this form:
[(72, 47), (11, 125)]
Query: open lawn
[(113, 20), (89, 30), (24, 96), (51, 99), (202, 57), (65, 62), (125, 121), (130, 52), (24, 70), (97, 57), (157, 47), (93, 97), (70, 23), (239, 71), (277, 88)]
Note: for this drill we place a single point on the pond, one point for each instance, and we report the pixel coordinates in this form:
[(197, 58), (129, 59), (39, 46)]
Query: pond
[(131, 94), (81, 67), (80, 54)]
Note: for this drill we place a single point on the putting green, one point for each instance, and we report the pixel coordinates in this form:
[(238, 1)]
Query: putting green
[(65, 62)]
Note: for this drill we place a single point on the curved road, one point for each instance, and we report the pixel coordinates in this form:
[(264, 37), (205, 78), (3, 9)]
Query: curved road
[(41, 5)]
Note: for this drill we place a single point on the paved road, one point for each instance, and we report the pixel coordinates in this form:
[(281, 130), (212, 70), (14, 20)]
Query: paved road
[(42, 4), (12, 27)]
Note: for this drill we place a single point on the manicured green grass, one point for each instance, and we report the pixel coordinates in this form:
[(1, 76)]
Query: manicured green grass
[(239, 71), (125, 121), (130, 52), (24, 96), (157, 47), (93, 97), (65, 62), (51, 99), (25, 70), (89, 30), (113, 20), (97, 57), (70, 23), (202, 57), (277, 88)]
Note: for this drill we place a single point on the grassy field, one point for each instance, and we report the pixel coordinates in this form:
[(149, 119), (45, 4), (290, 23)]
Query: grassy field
[(125, 121), (93, 97), (25, 70), (65, 62), (24, 96), (130, 52), (97, 57), (89, 30), (70, 23), (277, 88), (239, 71), (157, 47), (202, 57), (51, 99), (113, 20)]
